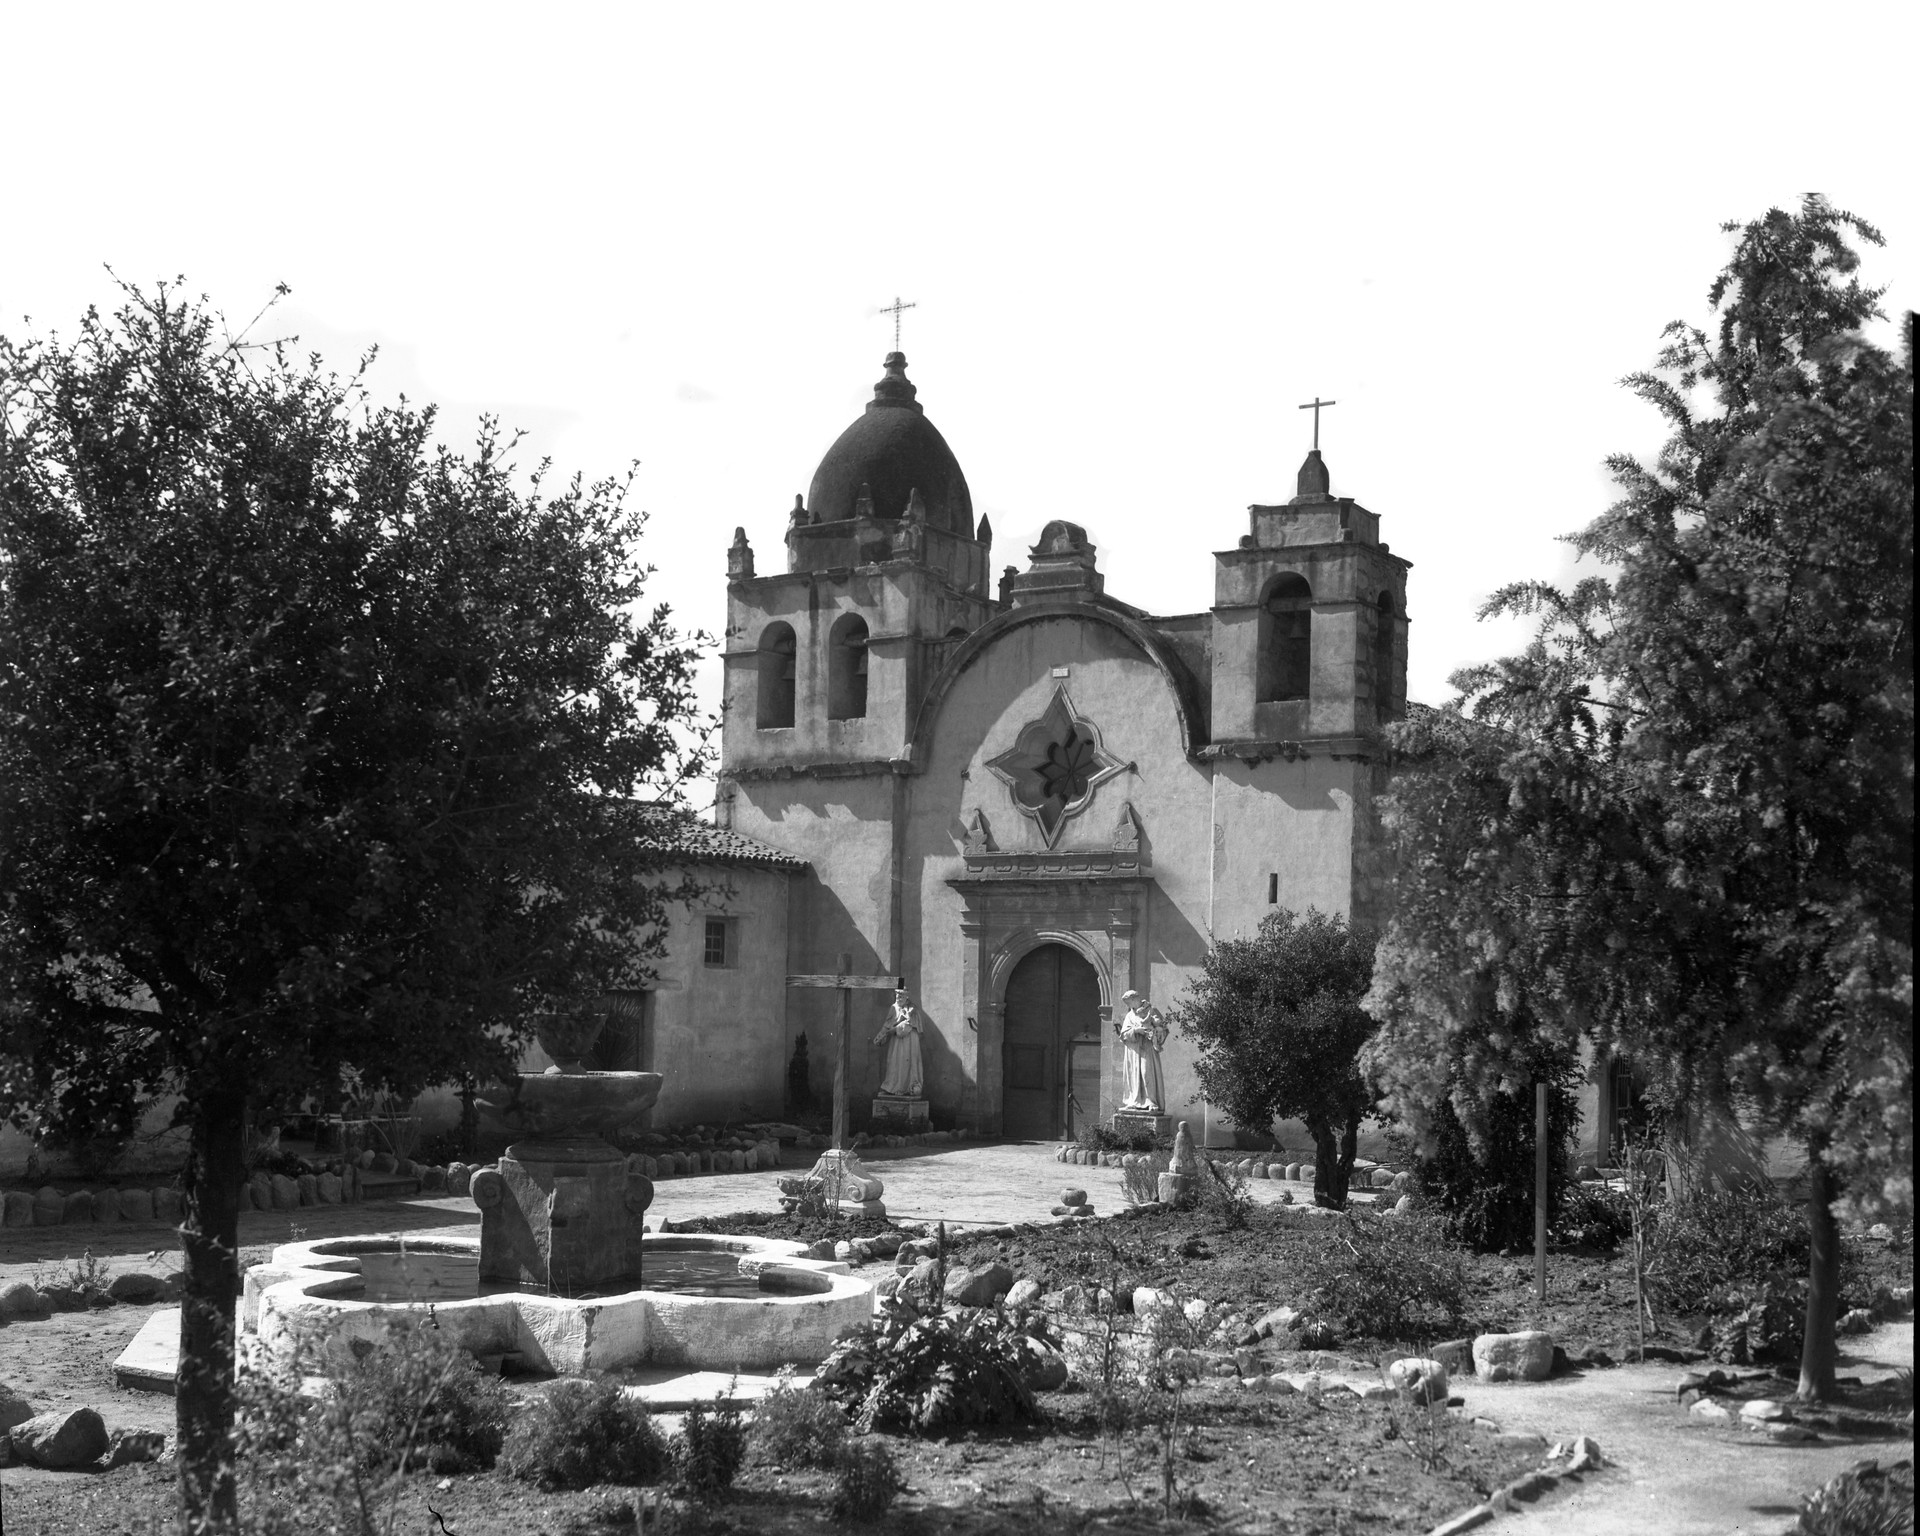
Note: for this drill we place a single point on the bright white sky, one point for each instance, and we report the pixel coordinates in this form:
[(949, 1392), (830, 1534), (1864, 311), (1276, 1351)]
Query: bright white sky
[(1138, 237)]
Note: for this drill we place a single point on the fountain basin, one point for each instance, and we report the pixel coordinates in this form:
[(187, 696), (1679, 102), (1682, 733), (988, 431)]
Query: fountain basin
[(309, 1301)]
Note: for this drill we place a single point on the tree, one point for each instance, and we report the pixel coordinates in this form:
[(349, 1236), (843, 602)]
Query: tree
[(317, 749), (1680, 825), (1278, 1021)]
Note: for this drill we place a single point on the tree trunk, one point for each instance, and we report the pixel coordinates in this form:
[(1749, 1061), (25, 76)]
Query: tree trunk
[(1332, 1161), (1819, 1350), (210, 1237)]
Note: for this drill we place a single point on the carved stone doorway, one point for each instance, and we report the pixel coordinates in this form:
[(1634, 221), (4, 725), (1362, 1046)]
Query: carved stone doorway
[(1050, 1073)]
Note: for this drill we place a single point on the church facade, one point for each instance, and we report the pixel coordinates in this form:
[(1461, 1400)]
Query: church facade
[(1024, 796)]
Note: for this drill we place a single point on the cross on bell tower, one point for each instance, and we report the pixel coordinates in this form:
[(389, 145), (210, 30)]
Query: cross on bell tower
[(1316, 405)]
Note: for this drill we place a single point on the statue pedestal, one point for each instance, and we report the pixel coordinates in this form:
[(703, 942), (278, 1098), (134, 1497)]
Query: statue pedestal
[(1135, 1122), (898, 1117), (838, 1182)]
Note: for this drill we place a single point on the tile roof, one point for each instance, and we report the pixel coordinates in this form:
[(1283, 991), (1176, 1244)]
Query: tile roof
[(678, 832)]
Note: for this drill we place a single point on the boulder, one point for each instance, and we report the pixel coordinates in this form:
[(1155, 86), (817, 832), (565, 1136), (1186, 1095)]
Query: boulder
[(978, 1287), (106, 1205), (1456, 1355), (17, 1208), (433, 1181), (1706, 1408), (1071, 1196), (308, 1185), (820, 1250), (1404, 1205), (1149, 1300), (1402, 1182), (136, 1205), (19, 1299), (137, 1286), (1308, 1172), (169, 1205), (1040, 1368), (261, 1187), (49, 1206), (134, 1445), (1279, 1320), (1381, 1178), (1765, 1410), (61, 1441), (460, 1175), (1025, 1293), (14, 1409), (285, 1192), (1524, 1356), (1425, 1379), (327, 1186), (79, 1207)]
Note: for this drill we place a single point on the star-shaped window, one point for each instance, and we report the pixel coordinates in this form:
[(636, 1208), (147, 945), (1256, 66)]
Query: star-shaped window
[(1054, 766)]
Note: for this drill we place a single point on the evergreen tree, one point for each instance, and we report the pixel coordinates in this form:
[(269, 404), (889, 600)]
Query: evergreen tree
[(1680, 825)]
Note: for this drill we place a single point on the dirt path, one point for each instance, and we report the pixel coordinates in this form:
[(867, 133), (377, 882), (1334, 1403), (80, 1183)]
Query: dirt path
[(1670, 1472)]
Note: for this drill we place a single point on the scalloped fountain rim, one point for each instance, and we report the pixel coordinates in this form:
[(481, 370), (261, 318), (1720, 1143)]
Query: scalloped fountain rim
[(294, 1306)]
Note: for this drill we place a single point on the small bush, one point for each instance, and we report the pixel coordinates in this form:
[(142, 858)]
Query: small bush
[(796, 1427), (584, 1432), (1593, 1217), (1715, 1237), (709, 1448), (1140, 1179), (866, 1481), (1096, 1137), (1224, 1195), (931, 1374), (1389, 1277), (1866, 1501), (425, 1399), (1487, 1195)]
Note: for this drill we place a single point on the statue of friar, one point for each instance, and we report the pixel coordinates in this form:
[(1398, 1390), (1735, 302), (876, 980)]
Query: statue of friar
[(1143, 1032), (905, 1076)]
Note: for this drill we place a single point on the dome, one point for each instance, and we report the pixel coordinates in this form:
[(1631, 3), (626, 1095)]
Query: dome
[(892, 450)]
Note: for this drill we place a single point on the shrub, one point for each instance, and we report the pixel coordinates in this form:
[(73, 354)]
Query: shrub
[(424, 1399), (710, 1447), (797, 1427), (1486, 1194), (1096, 1137), (1224, 1196), (1389, 1277), (1715, 1237), (1866, 1501), (866, 1481), (1593, 1216), (1768, 1323), (584, 1432), (1140, 1179), (931, 1374)]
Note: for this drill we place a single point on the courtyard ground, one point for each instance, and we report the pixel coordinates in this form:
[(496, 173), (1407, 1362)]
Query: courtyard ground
[(1666, 1471)]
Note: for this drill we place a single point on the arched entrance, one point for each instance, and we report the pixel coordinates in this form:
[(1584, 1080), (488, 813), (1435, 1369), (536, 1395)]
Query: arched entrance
[(1051, 1045)]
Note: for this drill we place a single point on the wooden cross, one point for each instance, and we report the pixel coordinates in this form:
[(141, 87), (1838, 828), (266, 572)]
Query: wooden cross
[(1314, 405), (894, 309), (848, 983)]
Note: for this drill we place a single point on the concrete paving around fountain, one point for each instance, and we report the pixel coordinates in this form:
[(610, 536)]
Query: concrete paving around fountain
[(305, 1304)]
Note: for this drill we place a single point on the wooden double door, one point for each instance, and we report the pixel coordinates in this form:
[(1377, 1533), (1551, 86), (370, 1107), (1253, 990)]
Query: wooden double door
[(1050, 1068)]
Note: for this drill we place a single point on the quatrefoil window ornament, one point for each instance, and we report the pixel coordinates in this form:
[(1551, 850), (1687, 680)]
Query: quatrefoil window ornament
[(1054, 766)]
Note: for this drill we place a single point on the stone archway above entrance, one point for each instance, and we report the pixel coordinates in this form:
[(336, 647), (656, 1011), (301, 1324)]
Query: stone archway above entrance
[(1094, 907)]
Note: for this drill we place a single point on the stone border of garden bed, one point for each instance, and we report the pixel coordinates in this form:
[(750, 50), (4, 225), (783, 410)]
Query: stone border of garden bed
[(1581, 1454)]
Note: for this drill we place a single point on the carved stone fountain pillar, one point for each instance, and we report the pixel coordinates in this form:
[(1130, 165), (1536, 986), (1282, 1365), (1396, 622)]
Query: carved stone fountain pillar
[(562, 1208)]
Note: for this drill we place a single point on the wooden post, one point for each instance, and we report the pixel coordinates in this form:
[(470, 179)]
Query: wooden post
[(1540, 1192), (843, 1059)]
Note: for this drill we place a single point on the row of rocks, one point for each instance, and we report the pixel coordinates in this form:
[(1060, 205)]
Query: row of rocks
[(1365, 1175), (21, 1298), (63, 1441), (679, 1162), (49, 1207)]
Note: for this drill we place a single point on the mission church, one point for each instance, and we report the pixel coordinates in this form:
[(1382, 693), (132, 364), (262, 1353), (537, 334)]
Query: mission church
[(1021, 796)]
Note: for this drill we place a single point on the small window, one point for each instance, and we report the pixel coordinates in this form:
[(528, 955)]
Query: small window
[(778, 674), (717, 951), (1286, 640), (847, 669), (1273, 890)]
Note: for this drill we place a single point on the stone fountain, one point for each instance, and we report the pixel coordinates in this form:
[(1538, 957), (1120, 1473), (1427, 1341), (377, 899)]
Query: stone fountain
[(562, 1208), (554, 1282)]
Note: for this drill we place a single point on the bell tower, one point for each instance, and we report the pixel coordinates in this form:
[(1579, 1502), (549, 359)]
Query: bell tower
[(1309, 622)]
